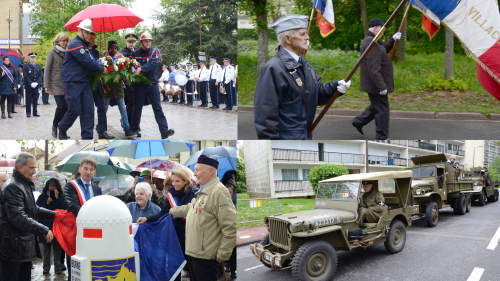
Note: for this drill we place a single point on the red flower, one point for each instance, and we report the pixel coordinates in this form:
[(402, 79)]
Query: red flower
[(108, 58), (110, 68), (121, 67)]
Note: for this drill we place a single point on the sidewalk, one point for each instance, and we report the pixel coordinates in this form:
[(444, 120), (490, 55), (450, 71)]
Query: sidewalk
[(250, 235)]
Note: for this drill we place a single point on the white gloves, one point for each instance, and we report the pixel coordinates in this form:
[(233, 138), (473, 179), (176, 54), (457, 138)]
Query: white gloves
[(34, 84), (383, 93), (18, 86), (397, 36), (343, 86)]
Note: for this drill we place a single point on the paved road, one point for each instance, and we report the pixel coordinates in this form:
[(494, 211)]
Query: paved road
[(340, 128), (449, 251), (187, 121)]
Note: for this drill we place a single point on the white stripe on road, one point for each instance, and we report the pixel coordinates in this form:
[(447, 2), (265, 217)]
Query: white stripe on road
[(253, 267), (476, 274), (494, 241)]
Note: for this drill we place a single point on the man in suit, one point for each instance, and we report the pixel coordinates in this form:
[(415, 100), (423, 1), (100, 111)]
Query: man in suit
[(81, 190), (33, 77)]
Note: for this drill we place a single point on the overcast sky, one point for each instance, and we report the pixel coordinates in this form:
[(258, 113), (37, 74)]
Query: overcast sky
[(142, 8), (11, 147)]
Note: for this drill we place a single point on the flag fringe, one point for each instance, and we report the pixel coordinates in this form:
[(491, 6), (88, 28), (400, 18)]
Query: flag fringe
[(474, 57), (329, 23)]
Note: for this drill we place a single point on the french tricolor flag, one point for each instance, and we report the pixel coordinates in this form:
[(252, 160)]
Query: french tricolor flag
[(326, 16), (477, 24)]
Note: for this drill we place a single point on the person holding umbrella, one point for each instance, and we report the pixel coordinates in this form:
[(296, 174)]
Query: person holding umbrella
[(180, 193), (148, 59), (78, 67), (8, 85)]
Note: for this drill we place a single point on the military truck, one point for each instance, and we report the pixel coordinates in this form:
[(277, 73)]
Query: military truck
[(307, 241), (437, 185), (484, 187)]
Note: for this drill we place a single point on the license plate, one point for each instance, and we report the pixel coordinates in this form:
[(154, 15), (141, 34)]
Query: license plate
[(268, 257)]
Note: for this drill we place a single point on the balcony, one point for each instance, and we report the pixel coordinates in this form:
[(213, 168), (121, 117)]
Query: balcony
[(384, 161), (316, 156), (292, 186), (397, 142), (422, 145)]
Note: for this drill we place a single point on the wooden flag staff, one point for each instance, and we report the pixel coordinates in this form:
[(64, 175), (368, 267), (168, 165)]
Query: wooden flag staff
[(400, 28)]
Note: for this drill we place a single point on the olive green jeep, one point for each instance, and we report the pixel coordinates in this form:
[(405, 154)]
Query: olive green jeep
[(484, 187), (307, 241), (437, 185)]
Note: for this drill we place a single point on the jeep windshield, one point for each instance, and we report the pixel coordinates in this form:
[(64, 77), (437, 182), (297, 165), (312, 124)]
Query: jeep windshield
[(338, 190), (423, 172)]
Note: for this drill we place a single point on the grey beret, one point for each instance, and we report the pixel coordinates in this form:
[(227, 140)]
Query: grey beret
[(290, 22)]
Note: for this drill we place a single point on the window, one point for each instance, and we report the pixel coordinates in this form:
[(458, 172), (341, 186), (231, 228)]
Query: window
[(321, 151), (387, 186), (290, 174), (198, 146), (305, 172), (440, 148), (217, 143)]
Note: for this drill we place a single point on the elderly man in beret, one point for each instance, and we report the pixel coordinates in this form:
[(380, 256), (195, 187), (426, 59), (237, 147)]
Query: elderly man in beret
[(371, 204), (376, 79), (210, 223), (289, 90)]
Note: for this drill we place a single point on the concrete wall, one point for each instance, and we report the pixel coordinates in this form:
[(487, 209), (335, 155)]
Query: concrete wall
[(258, 168)]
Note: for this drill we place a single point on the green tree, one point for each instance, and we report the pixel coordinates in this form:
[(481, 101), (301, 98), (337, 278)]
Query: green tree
[(325, 171), (241, 178), (495, 168)]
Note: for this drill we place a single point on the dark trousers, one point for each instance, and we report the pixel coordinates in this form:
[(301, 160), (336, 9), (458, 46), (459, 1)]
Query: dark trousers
[(47, 248), (129, 102), (45, 97), (140, 94), (9, 103), (60, 110), (229, 94), (183, 94), (203, 92), (102, 123), (79, 101), (214, 93), (15, 271), (235, 94), (68, 266), (203, 270), (378, 110), (189, 91), (231, 263), (31, 98)]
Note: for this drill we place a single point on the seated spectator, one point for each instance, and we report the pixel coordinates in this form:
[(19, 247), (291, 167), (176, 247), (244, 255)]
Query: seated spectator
[(142, 206)]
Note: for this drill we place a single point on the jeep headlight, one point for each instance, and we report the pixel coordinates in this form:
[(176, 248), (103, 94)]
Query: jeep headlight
[(419, 191), (290, 228)]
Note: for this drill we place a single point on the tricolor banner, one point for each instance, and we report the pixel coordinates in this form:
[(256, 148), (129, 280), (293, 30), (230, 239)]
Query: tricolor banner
[(430, 22), (326, 17), (477, 24)]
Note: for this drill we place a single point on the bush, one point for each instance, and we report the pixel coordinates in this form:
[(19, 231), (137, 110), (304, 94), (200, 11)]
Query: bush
[(241, 179), (437, 82), (325, 171)]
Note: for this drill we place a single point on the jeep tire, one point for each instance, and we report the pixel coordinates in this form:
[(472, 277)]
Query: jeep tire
[(396, 239), (315, 260), (432, 214), (461, 205), (468, 199)]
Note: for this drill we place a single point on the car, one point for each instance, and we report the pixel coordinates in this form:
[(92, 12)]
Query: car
[(308, 241)]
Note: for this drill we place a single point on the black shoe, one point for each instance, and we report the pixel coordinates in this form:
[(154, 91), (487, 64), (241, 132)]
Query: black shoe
[(233, 275), (54, 132), (130, 134), (105, 136), (137, 133), (167, 133), (23, 105), (62, 135), (358, 128), (3, 115), (36, 115), (9, 115), (227, 108), (13, 111), (28, 114)]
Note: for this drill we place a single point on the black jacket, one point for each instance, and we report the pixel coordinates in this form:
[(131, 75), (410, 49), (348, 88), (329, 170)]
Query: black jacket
[(72, 199), (59, 203), (375, 71), (278, 107), (19, 220)]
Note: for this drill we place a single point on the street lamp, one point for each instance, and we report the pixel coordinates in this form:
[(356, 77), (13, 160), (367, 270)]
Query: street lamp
[(9, 20), (474, 155)]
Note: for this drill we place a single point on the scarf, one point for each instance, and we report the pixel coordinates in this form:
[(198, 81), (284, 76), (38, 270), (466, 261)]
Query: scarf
[(60, 49), (179, 194), (7, 71)]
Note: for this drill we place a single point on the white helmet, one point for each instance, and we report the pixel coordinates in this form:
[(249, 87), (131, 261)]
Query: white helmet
[(86, 24)]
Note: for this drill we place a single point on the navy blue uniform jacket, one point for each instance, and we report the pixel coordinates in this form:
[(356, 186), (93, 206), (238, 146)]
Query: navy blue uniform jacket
[(6, 86), (78, 64), (32, 73), (278, 107), (149, 60)]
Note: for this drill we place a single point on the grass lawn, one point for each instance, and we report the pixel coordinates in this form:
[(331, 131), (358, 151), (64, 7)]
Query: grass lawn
[(410, 79), (287, 206)]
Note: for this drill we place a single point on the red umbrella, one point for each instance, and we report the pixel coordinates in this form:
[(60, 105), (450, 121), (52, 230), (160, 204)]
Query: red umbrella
[(7, 163), (105, 17)]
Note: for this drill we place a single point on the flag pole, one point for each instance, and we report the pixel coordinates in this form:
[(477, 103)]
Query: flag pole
[(400, 28), (356, 66), (310, 22)]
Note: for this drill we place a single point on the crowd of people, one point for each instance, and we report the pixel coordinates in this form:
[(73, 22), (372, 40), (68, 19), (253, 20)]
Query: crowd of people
[(206, 206), (70, 66)]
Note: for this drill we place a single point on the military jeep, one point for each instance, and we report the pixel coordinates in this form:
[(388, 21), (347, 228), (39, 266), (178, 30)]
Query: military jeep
[(484, 187), (307, 241), (437, 185)]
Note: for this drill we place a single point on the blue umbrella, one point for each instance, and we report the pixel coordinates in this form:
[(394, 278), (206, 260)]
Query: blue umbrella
[(225, 155), (136, 149), (13, 56)]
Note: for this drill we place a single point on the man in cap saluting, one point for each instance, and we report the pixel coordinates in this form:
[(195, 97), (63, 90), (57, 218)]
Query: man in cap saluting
[(289, 90)]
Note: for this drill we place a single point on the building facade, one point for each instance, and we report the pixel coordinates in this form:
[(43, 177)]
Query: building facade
[(280, 168), (15, 7), (481, 153)]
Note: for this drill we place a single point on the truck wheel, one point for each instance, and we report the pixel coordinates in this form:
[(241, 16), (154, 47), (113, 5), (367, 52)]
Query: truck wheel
[(461, 205), (454, 205), (469, 203), (396, 238), (482, 198), (496, 194), (315, 260), (431, 214)]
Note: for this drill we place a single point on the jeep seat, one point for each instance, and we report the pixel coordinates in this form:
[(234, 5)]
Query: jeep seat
[(368, 225), (392, 202)]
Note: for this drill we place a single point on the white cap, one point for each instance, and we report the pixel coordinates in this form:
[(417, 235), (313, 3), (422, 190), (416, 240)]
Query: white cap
[(86, 24)]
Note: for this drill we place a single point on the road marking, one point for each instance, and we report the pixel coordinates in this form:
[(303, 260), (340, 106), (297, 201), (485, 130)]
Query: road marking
[(494, 241), (253, 267), (476, 274), (449, 235)]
